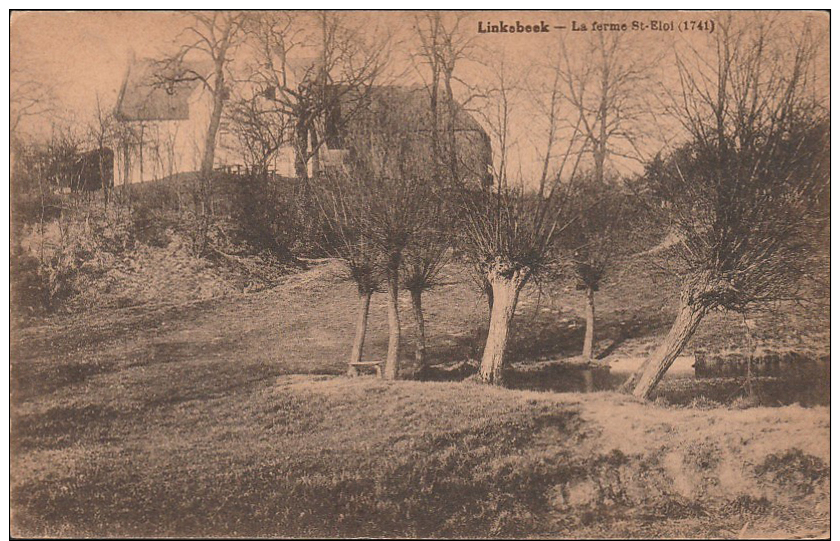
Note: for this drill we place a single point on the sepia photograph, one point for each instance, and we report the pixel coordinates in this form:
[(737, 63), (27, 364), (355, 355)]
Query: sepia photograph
[(419, 274)]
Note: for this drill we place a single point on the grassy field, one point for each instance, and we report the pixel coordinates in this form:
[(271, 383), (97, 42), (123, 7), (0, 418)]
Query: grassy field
[(229, 417)]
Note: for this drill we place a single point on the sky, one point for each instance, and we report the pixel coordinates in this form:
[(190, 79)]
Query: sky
[(83, 55)]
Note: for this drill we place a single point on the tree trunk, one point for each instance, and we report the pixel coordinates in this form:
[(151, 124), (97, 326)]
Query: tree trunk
[(645, 379), (600, 158), (589, 338), (209, 156), (420, 350), (480, 336), (435, 118), (506, 288), (450, 129), (316, 153), (361, 329), (301, 147), (392, 362), (600, 151)]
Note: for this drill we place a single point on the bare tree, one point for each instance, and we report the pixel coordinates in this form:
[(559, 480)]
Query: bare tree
[(387, 220), (343, 208), (510, 235), (429, 32), (443, 46), (508, 232), (127, 140), (323, 95), (28, 97), (395, 218), (263, 206), (497, 100), (423, 260), (101, 134), (63, 150), (211, 37), (595, 240), (386, 193), (260, 133), (552, 122), (606, 84), (743, 192)]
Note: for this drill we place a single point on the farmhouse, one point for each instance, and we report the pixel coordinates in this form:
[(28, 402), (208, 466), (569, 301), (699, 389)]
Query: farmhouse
[(392, 116), (163, 128)]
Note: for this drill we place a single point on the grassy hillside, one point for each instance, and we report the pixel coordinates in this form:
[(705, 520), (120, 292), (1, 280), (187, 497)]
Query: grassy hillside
[(227, 417), (332, 456)]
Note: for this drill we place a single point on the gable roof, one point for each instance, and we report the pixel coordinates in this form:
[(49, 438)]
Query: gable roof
[(142, 97)]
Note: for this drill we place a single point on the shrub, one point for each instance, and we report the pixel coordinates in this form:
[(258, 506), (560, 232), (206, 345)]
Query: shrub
[(28, 289), (263, 213), (53, 260)]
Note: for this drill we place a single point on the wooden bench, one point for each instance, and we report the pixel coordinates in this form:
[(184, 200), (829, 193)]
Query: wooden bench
[(375, 364)]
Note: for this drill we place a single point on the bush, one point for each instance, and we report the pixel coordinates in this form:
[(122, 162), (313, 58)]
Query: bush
[(263, 214), (76, 247), (28, 289), (52, 261), (149, 226)]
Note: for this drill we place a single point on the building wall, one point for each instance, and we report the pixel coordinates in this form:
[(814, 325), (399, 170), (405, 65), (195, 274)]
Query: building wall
[(162, 148)]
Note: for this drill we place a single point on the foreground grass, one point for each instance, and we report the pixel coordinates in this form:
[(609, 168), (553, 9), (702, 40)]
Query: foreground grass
[(333, 456)]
